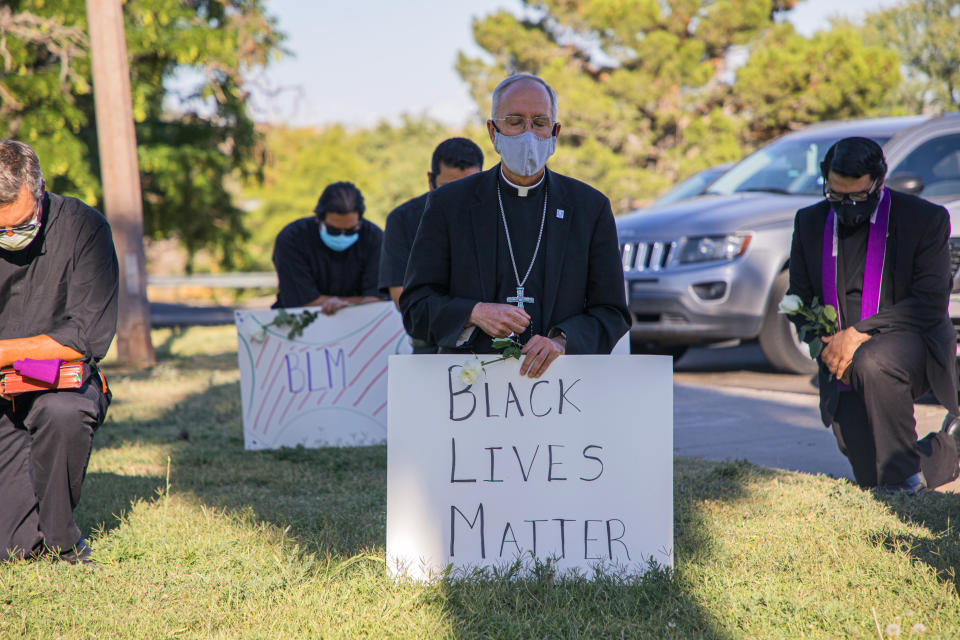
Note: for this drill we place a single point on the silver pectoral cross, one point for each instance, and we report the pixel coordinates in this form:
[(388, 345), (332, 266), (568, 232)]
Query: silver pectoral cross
[(519, 299)]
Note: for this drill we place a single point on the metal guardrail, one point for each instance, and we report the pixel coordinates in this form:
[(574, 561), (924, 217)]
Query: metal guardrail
[(246, 280)]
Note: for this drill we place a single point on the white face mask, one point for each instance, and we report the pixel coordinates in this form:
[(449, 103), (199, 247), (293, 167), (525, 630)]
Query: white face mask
[(18, 238), (525, 154)]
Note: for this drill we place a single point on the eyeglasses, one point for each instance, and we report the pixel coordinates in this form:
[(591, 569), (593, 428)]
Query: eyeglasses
[(514, 125), (855, 197), (24, 228), (334, 231)]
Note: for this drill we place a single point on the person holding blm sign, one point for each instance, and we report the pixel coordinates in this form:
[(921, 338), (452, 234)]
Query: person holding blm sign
[(453, 159), (58, 302), (881, 260), (517, 250), (329, 261)]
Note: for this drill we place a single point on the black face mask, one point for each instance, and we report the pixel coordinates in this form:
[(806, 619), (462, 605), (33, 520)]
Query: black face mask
[(855, 214)]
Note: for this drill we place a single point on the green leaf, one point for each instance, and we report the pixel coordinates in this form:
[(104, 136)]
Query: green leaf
[(815, 348), (512, 352)]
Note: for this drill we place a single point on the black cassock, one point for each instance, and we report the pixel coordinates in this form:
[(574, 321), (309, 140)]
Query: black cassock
[(460, 257)]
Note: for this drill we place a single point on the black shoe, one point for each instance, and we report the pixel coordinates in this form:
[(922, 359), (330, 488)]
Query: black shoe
[(912, 486), (951, 426), (79, 554)]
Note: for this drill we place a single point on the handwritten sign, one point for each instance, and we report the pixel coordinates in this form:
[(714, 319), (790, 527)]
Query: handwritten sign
[(574, 468), (327, 387)]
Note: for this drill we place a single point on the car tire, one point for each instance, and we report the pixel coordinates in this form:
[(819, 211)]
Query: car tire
[(778, 336)]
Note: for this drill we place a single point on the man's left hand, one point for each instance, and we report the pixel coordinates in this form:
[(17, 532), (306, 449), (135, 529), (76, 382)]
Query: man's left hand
[(838, 353), (333, 304), (540, 353)]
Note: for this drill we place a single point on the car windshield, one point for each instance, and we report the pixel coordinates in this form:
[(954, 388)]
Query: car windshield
[(690, 187), (790, 167)]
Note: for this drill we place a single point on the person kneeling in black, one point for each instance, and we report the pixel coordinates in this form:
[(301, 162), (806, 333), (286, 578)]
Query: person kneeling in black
[(58, 301), (882, 259), (331, 260), (453, 159)]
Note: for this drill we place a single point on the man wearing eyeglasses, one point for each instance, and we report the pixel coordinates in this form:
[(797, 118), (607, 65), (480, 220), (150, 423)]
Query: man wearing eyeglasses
[(517, 250), (330, 260), (58, 301), (882, 259)]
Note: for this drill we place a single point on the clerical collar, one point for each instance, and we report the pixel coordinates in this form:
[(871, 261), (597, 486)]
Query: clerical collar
[(518, 190)]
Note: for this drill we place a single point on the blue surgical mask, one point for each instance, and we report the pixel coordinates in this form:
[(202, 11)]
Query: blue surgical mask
[(525, 154), (338, 243)]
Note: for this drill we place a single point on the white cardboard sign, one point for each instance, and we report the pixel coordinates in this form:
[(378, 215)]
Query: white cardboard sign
[(575, 467), (327, 387)]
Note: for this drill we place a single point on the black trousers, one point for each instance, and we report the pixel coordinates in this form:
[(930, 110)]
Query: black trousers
[(874, 422), (45, 441)]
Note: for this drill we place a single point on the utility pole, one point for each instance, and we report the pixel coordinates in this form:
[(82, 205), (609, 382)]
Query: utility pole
[(120, 173)]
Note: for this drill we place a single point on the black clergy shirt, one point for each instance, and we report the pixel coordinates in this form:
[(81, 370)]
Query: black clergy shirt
[(308, 269), (64, 283), (398, 235), (852, 247), (523, 215)]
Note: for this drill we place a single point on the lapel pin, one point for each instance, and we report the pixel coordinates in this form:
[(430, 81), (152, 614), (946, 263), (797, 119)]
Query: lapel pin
[(560, 214)]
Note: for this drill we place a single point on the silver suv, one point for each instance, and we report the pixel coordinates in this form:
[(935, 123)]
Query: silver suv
[(712, 269)]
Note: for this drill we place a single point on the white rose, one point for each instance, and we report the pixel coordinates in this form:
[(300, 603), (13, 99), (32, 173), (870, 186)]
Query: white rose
[(259, 335), (790, 304), (471, 371)]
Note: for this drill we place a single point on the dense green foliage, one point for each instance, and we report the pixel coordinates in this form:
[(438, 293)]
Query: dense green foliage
[(926, 35), (191, 141), (389, 165)]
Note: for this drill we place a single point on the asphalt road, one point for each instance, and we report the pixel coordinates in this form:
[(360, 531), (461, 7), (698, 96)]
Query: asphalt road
[(730, 404)]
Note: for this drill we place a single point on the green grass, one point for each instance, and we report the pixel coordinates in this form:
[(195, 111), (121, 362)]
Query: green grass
[(290, 544)]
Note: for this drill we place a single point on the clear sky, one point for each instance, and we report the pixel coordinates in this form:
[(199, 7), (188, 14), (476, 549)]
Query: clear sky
[(360, 61)]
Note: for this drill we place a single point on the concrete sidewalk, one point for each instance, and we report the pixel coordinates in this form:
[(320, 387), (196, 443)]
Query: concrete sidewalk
[(773, 428)]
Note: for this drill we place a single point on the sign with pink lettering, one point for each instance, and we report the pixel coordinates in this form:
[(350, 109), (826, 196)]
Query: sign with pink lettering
[(324, 388), (486, 468)]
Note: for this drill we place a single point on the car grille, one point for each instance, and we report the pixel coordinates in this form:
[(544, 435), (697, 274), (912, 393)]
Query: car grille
[(954, 255), (646, 256)]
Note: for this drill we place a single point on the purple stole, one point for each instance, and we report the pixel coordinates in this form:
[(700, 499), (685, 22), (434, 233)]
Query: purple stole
[(872, 270)]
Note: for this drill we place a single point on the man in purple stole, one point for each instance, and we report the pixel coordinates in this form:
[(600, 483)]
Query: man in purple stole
[(882, 259)]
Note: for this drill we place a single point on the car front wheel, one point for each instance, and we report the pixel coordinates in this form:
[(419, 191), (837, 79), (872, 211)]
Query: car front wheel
[(778, 336)]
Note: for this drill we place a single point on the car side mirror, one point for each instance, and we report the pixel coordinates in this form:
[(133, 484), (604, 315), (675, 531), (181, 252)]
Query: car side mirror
[(906, 182)]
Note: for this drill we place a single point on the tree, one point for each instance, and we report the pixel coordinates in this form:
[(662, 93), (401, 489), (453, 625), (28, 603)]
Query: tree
[(388, 163), (191, 144), (790, 81), (926, 35), (650, 91)]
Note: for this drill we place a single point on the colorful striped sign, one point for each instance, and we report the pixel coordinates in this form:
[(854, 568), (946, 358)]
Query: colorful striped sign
[(326, 388)]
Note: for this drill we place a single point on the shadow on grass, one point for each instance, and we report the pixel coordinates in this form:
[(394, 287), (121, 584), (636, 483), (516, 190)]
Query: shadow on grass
[(334, 503), (108, 496), (655, 605), (211, 363), (939, 513), (331, 499)]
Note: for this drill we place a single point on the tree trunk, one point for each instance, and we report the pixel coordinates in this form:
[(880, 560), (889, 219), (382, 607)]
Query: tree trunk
[(119, 171)]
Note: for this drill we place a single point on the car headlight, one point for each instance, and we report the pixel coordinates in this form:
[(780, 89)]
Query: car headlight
[(710, 248)]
